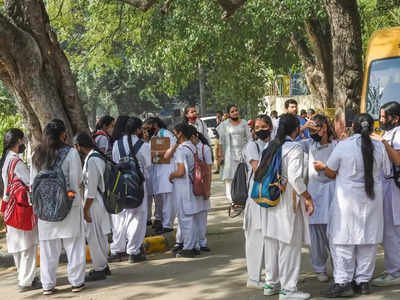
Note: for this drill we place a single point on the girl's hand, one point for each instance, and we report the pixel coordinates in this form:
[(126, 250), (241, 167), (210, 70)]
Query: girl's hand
[(171, 178), (86, 215), (309, 204), (319, 166)]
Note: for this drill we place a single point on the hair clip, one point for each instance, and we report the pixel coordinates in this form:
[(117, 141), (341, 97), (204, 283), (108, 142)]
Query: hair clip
[(364, 124)]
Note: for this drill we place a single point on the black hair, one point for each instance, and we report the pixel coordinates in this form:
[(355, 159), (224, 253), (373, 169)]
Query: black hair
[(303, 111), (132, 125), (186, 110), (229, 107), (83, 139), (10, 139), (364, 125), (187, 130), (274, 112), (204, 141), (156, 120), (391, 109), (104, 121), (119, 129), (46, 152), (266, 119), (311, 111), (288, 123), (320, 120), (290, 101)]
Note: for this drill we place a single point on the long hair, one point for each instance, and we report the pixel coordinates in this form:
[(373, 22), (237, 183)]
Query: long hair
[(187, 130), (288, 123), (266, 119), (185, 111), (320, 120), (391, 109), (10, 139), (47, 152), (104, 121), (83, 139), (156, 120), (119, 129), (204, 141), (364, 125), (132, 126)]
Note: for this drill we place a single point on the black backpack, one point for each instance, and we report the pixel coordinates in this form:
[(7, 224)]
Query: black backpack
[(49, 191), (240, 185)]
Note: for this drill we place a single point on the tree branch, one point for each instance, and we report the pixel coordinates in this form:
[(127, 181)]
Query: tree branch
[(143, 5)]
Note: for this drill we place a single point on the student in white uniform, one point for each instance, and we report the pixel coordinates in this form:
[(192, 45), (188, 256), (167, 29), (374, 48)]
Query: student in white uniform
[(204, 153), (68, 233), (130, 235), (254, 214), (356, 216), (97, 219), (390, 121), (162, 187), (22, 244), (192, 118), (188, 206), (287, 223), (104, 131), (322, 190)]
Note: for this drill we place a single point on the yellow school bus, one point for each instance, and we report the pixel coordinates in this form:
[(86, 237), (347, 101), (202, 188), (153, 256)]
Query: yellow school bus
[(382, 71)]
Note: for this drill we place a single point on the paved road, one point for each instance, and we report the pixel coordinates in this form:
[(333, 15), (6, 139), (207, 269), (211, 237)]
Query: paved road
[(218, 275)]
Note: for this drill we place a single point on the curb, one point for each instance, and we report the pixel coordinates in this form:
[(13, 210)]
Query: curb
[(152, 244)]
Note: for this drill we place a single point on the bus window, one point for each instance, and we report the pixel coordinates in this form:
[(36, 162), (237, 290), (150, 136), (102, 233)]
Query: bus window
[(383, 84)]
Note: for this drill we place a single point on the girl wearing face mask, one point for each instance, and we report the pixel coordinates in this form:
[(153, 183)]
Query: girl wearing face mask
[(318, 148), (254, 214), (191, 118), (104, 131), (390, 121), (97, 220), (233, 134), (21, 243)]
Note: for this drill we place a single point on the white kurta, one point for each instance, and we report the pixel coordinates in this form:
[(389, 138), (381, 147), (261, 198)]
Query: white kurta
[(161, 173), (102, 142), (356, 219), (281, 218), (18, 240), (72, 226), (320, 187)]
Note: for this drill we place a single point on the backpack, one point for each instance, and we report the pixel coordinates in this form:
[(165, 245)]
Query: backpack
[(49, 191), (17, 211), (240, 184), (200, 181), (267, 193), (130, 184)]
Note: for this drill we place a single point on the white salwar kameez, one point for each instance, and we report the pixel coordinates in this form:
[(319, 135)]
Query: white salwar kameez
[(322, 191), (287, 223), (391, 212), (21, 244), (97, 231), (69, 232), (188, 206), (254, 219), (129, 226), (162, 188), (356, 221)]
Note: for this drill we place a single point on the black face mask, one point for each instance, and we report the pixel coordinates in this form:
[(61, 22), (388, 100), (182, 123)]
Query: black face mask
[(263, 134), (151, 132), (21, 148), (140, 135), (316, 137), (387, 126), (234, 119)]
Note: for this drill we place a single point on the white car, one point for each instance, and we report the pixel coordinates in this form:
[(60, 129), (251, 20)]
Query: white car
[(211, 123)]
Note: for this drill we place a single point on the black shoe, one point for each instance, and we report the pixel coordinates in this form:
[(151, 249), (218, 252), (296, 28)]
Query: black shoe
[(77, 289), (157, 225), (185, 253), (107, 271), (117, 257), (149, 223), (364, 288), (178, 247), (216, 172), (36, 284), (338, 290), (205, 249), (196, 251), (95, 275), (137, 258), (164, 230)]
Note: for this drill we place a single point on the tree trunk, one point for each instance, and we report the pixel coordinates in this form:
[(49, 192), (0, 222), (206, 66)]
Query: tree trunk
[(202, 89), (36, 71), (345, 27)]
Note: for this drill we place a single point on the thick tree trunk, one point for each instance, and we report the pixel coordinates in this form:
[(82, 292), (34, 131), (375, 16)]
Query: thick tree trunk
[(316, 61), (345, 27), (36, 71)]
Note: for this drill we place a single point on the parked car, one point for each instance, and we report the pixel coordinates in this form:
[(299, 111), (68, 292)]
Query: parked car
[(211, 123)]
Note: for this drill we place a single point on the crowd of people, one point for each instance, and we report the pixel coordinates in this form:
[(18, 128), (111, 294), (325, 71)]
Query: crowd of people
[(82, 161), (338, 195)]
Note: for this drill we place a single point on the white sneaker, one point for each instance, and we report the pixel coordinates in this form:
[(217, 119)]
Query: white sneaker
[(322, 277), (271, 290), (251, 284), (386, 280), (293, 295)]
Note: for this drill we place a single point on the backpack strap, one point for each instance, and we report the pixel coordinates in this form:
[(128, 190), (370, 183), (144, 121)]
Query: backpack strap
[(121, 148), (11, 168), (62, 155), (137, 146), (162, 130)]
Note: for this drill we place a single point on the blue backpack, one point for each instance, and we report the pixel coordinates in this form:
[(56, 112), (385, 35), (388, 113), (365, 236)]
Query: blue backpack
[(268, 192)]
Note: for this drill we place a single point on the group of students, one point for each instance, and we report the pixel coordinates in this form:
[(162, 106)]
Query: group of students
[(83, 161), (340, 197)]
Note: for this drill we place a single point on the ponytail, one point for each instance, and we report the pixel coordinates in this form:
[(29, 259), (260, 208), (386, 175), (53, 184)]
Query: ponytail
[(364, 126)]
